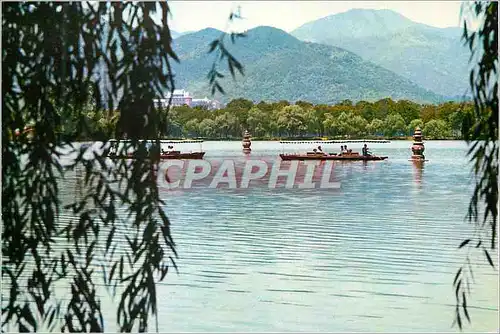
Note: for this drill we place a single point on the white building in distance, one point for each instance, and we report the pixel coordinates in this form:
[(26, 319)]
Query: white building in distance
[(206, 103), (182, 97)]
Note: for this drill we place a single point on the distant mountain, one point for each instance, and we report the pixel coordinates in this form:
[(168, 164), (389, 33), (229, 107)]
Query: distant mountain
[(434, 58), (355, 23), (278, 66), (176, 34)]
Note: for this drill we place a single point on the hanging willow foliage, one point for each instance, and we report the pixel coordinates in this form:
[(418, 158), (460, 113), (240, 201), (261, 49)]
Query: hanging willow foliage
[(481, 132), (59, 58)]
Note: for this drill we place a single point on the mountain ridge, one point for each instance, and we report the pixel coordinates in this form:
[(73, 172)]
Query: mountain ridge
[(435, 58), (279, 66)]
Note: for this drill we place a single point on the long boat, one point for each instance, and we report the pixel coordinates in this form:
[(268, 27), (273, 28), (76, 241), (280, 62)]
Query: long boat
[(166, 154), (341, 141), (181, 155), (344, 156), (332, 156), (169, 155)]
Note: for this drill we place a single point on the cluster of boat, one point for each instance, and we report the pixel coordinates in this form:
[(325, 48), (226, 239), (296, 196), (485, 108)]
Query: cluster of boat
[(316, 154)]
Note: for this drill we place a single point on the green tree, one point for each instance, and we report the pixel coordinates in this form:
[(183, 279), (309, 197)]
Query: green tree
[(358, 126), (428, 112), (436, 129), (409, 110), (304, 104), (313, 120), (347, 103), (321, 110), (227, 125), (273, 116), (376, 126), (342, 124), (444, 110), (174, 124), (182, 114), (455, 121), (239, 108), (291, 120), (239, 104), (366, 110), (280, 104), (258, 121), (108, 121), (207, 127), (192, 127), (383, 108), (330, 125), (394, 125), (416, 123)]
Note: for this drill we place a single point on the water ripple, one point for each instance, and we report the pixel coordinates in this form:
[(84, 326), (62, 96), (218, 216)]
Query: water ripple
[(380, 254)]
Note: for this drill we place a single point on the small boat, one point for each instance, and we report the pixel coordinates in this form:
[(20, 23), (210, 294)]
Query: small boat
[(331, 156), (179, 155), (169, 154)]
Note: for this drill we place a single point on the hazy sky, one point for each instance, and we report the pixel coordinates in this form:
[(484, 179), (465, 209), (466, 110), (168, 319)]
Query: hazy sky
[(288, 15)]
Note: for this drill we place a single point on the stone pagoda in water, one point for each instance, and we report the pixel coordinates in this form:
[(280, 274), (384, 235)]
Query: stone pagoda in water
[(246, 142), (418, 146)]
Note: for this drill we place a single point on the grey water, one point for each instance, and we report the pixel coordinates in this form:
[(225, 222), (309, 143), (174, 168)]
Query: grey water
[(379, 254)]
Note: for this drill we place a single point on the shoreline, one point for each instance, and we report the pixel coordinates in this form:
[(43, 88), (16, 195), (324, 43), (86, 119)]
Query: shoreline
[(277, 139)]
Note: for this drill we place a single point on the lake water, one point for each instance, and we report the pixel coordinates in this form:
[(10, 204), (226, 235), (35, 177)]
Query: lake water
[(380, 254)]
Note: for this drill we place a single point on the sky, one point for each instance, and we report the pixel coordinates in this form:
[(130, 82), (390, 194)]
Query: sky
[(288, 15)]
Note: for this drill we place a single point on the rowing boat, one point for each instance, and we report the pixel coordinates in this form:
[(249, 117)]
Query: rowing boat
[(346, 155), (169, 154), (338, 157)]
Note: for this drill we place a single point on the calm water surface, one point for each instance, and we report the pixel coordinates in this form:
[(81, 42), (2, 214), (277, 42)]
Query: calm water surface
[(378, 255)]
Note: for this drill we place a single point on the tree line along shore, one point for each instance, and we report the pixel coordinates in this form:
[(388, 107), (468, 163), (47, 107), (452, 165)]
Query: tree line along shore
[(383, 119)]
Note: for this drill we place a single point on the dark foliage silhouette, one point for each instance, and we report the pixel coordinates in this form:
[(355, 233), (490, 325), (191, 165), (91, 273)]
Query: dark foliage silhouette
[(60, 59), (481, 132)]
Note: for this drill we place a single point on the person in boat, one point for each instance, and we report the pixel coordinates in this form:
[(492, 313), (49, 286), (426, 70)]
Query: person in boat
[(112, 151), (169, 150), (365, 151), (320, 150), (156, 149), (149, 145)]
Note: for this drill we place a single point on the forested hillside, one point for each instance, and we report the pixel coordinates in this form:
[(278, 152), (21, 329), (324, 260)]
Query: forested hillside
[(434, 58), (280, 67)]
